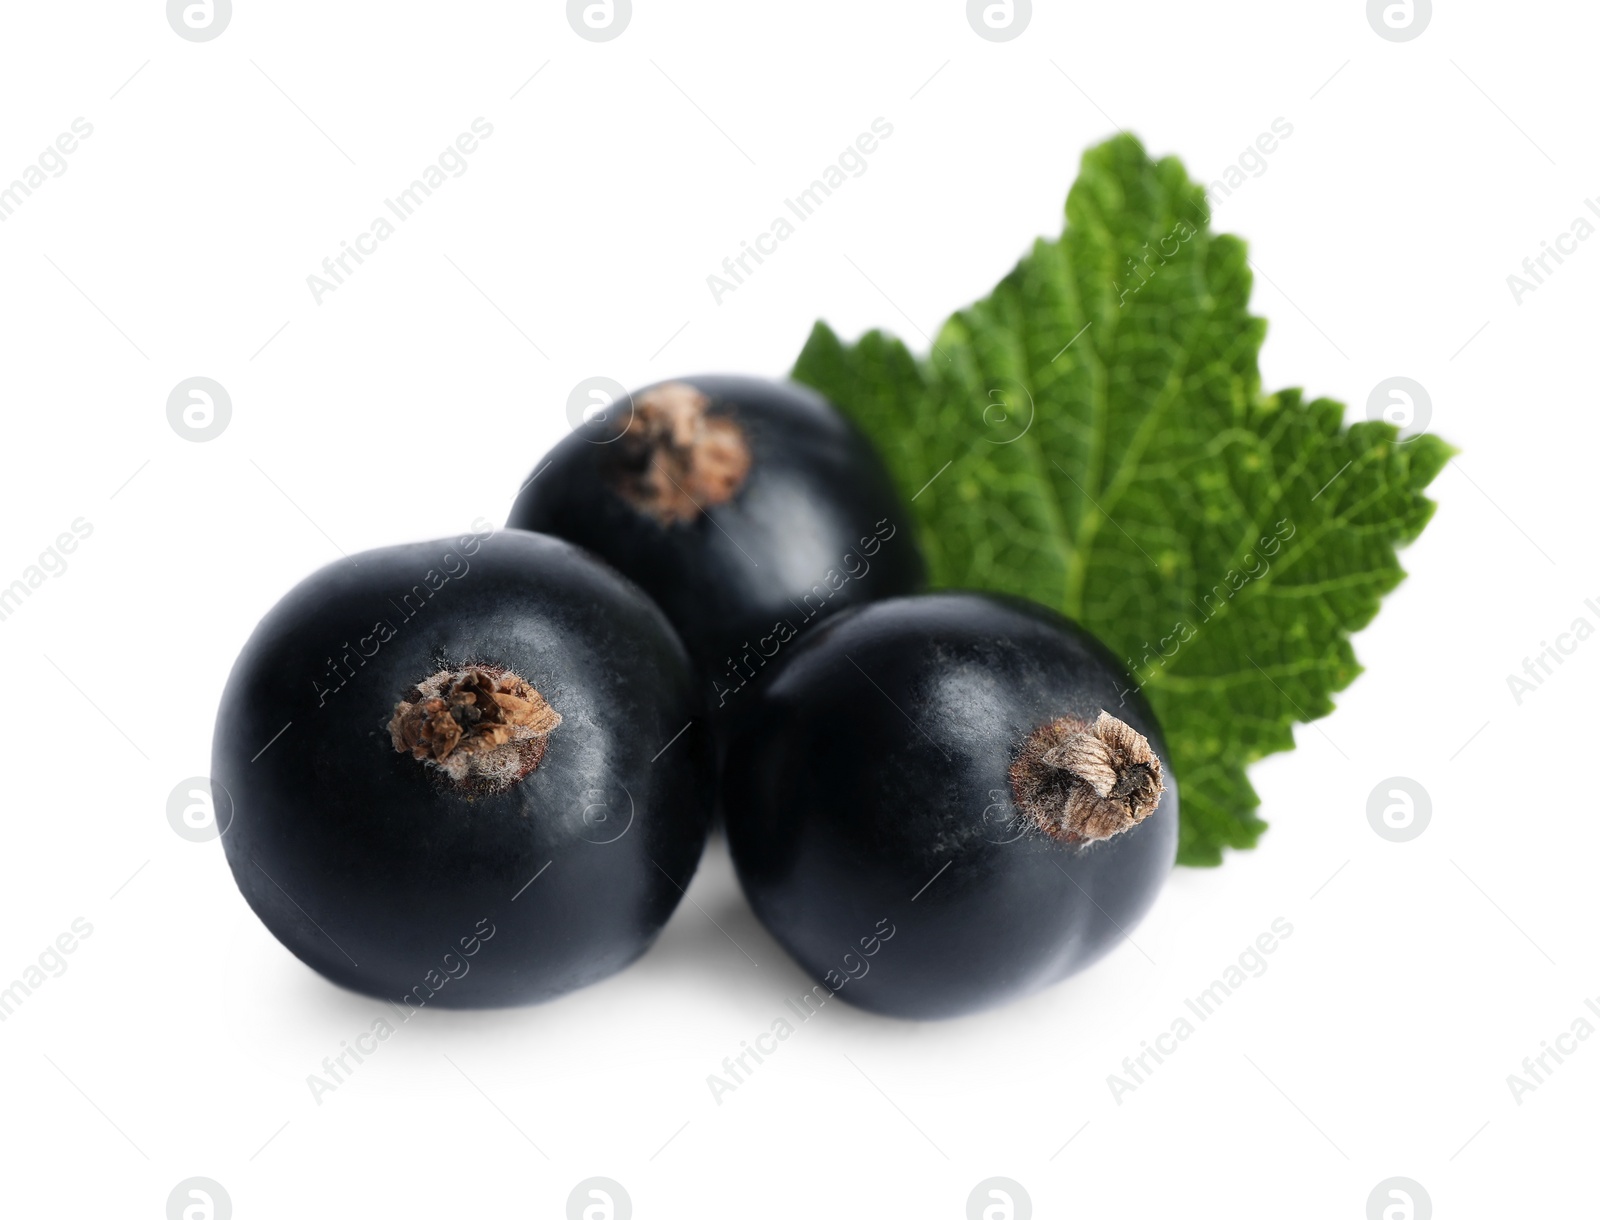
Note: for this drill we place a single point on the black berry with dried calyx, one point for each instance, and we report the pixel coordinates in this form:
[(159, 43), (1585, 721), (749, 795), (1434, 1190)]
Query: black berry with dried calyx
[(977, 773), (464, 773), (749, 509)]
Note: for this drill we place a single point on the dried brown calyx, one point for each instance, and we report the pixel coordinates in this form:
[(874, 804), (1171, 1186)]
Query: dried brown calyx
[(1086, 781), (676, 458), (482, 726)]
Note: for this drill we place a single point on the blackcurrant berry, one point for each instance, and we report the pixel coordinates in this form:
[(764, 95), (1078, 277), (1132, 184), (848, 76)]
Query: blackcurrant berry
[(975, 777), (465, 773), (748, 509)]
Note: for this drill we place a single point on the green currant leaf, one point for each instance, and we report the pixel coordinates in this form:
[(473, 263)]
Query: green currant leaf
[(1093, 435)]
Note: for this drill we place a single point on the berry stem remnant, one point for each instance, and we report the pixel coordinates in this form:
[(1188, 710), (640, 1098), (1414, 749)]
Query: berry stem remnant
[(676, 457), (482, 726), (1082, 781)]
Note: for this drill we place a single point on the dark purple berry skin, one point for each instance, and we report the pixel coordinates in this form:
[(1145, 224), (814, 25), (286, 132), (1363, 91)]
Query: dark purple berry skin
[(870, 789), (809, 525), (374, 869)]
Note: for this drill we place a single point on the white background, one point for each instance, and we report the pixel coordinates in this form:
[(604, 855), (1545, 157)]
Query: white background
[(177, 244)]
